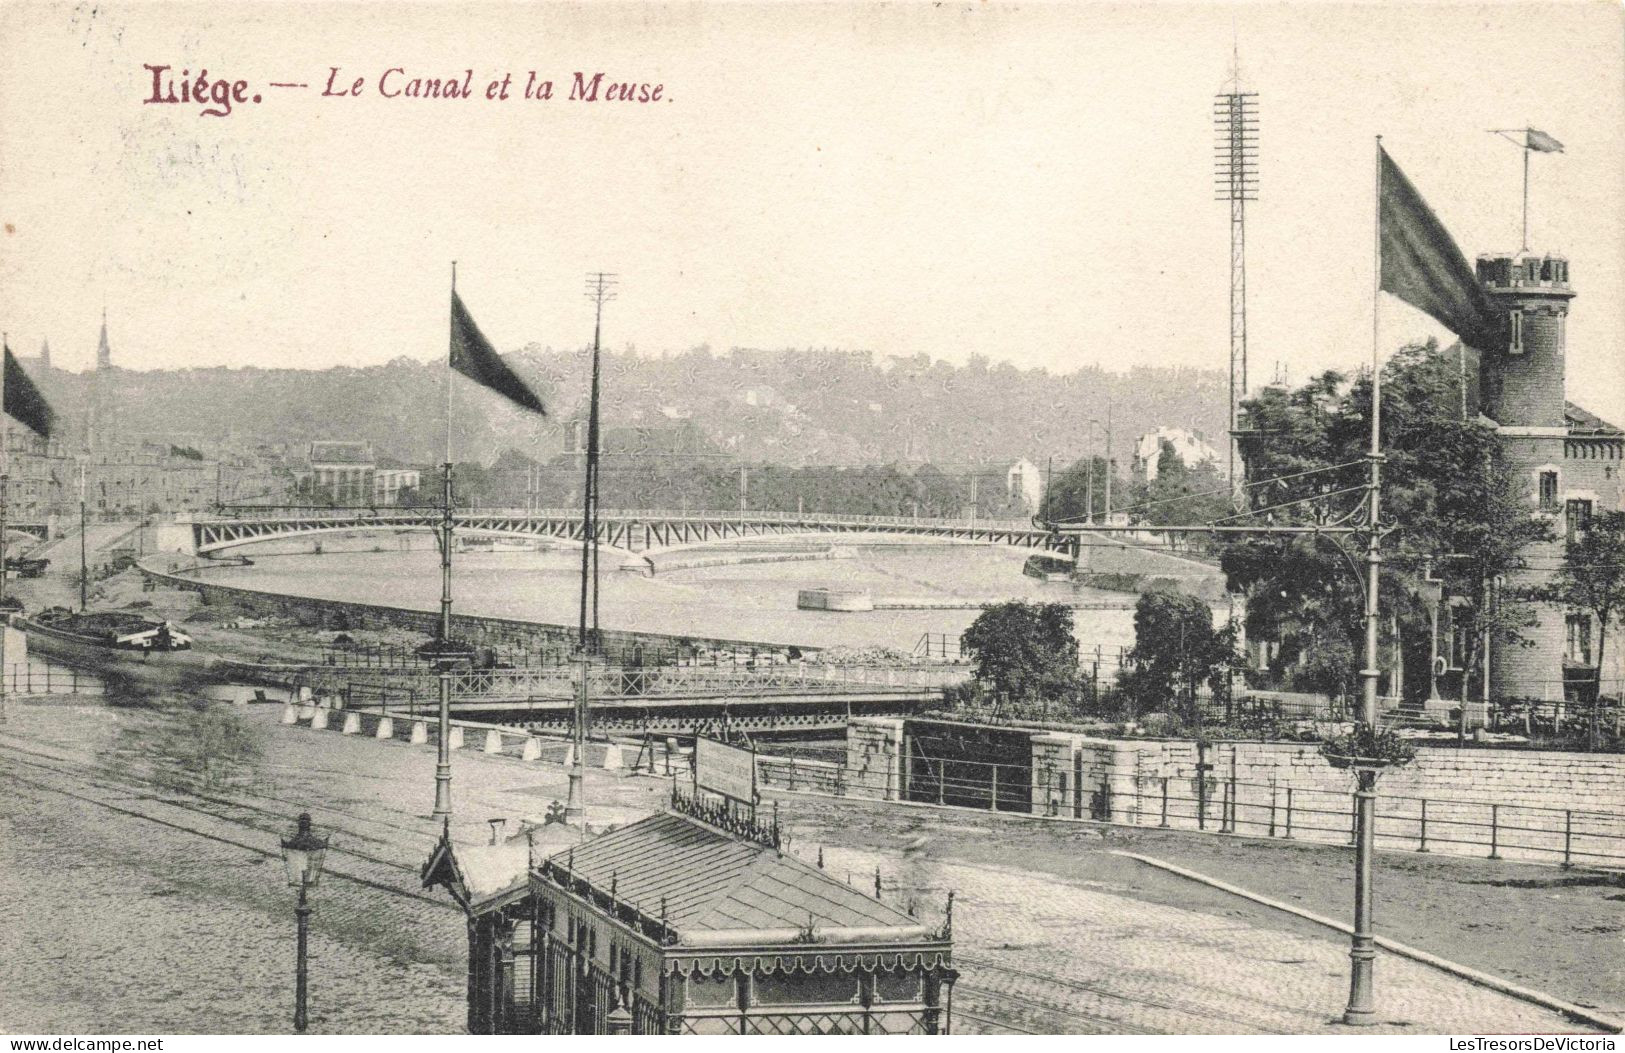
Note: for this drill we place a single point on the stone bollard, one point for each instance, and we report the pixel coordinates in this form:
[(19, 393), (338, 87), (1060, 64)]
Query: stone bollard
[(420, 732), (306, 711), (532, 750), (336, 701), (612, 757), (454, 741), (304, 694), (290, 714), (352, 724), (318, 720), (386, 728), (493, 741)]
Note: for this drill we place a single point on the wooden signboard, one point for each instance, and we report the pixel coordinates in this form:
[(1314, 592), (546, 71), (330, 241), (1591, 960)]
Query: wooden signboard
[(726, 770)]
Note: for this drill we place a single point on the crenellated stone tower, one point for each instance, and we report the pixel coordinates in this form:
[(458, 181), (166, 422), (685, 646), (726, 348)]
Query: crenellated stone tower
[(1524, 393)]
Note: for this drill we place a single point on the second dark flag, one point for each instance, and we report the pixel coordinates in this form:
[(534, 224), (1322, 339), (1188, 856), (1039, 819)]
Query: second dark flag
[(473, 356), (1422, 265), (23, 401)]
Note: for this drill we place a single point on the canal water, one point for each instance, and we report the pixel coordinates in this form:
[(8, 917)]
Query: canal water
[(746, 601)]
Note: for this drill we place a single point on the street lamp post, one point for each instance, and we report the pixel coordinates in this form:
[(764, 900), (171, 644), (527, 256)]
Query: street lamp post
[(1361, 1010), (575, 805), (84, 565), (1432, 597), (302, 852), (444, 660)]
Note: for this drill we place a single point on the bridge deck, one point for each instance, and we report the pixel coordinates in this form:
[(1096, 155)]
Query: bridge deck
[(636, 532)]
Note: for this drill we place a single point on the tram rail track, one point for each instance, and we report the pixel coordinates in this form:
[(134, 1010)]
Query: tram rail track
[(119, 787), (288, 813)]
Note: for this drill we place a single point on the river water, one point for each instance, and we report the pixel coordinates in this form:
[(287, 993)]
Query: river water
[(749, 601)]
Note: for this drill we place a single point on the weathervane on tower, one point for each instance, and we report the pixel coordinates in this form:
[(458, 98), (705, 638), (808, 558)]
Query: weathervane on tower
[(1529, 140)]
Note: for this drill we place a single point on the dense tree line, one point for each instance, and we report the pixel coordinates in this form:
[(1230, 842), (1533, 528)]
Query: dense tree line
[(1446, 490)]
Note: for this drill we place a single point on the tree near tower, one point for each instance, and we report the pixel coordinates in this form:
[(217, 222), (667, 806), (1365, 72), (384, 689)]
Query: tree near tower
[(1591, 578)]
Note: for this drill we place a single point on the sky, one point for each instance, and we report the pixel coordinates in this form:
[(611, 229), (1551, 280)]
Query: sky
[(1030, 183)]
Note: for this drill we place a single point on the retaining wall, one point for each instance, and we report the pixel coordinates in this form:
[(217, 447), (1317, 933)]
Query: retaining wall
[(1544, 806), (479, 630), (1538, 805)]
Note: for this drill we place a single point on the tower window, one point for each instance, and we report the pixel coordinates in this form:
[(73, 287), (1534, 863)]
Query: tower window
[(1548, 491), (1515, 337)]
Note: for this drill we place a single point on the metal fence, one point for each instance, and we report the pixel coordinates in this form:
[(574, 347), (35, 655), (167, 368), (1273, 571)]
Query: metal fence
[(398, 687), (39, 677), (1493, 829), (297, 513)]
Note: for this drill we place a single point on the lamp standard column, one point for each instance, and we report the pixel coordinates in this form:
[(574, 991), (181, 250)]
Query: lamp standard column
[(1362, 948), (442, 768), (302, 913), (84, 564)]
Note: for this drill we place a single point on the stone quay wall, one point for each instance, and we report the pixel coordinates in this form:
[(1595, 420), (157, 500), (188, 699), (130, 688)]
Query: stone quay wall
[(479, 630), (1523, 804), (1540, 806)]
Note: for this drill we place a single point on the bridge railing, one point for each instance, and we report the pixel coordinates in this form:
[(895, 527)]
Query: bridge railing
[(387, 513), (563, 682)]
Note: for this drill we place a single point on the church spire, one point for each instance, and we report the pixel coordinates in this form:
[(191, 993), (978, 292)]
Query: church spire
[(104, 354)]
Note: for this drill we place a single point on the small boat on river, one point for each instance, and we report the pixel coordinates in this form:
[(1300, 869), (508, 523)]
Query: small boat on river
[(144, 649)]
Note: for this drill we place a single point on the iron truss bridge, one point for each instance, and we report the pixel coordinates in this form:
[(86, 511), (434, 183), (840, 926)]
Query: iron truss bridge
[(521, 687), (663, 701), (640, 532)]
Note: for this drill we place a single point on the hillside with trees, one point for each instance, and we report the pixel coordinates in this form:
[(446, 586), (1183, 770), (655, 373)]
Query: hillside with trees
[(793, 408)]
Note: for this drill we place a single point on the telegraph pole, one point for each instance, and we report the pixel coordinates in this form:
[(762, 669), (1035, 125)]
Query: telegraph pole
[(1235, 176), (600, 290)]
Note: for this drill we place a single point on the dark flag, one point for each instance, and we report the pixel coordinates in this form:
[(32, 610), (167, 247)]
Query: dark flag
[(473, 356), (1539, 141), (23, 402), (1422, 265)]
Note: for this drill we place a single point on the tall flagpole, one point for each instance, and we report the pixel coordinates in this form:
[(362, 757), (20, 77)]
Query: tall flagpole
[(575, 807), (1362, 951), (1526, 190), (1524, 143), (442, 768)]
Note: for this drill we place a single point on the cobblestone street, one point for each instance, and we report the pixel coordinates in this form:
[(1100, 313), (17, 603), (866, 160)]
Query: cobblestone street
[(144, 907)]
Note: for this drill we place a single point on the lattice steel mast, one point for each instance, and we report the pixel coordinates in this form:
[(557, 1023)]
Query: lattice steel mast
[(1235, 176)]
